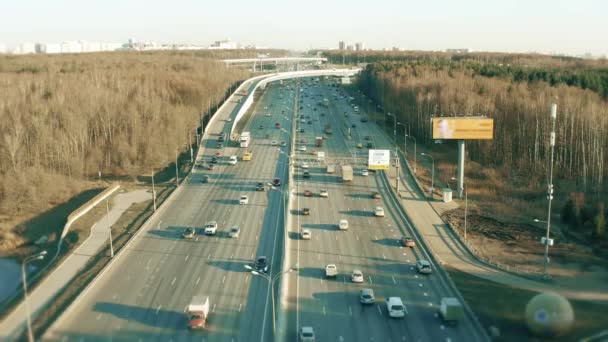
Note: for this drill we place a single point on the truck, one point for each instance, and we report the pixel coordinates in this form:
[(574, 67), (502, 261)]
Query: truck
[(245, 139), (247, 155), (319, 141), (450, 310), (331, 169), (198, 311), (347, 173), (328, 129), (326, 102)]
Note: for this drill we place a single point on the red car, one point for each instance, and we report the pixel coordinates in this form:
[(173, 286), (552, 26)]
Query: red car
[(307, 193), (217, 154)]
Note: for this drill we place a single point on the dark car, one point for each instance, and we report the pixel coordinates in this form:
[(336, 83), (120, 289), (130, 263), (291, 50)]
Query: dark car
[(307, 193), (213, 160), (260, 187), (220, 145), (276, 182), (370, 145), (375, 195), (305, 211), (306, 174), (354, 126), (220, 139), (211, 167), (205, 179), (261, 127), (261, 264), (367, 137), (301, 130)]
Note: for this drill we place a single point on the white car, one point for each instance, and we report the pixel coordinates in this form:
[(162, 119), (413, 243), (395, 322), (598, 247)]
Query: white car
[(229, 120), (303, 148), (211, 228), (305, 165), (331, 270), (306, 234), (364, 172), (424, 267), (273, 143), (244, 199), (379, 212), (268, 114), (307, 334), (234, 232), (323, 193), (395, 307), (232, 160), (343, 224), (356, 276)]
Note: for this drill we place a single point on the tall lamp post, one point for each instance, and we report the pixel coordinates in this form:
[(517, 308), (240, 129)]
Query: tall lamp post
[(432, 172), (271, 281), (153, 191), (38, 256), (394, 116), (546, 240), (415, 161), (404, 137)]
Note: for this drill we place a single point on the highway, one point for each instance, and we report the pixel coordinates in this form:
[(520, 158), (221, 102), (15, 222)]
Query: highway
[(371, 244), (144, 294)]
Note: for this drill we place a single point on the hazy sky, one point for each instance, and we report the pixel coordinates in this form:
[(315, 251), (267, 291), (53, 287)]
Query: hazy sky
[(575, 26)]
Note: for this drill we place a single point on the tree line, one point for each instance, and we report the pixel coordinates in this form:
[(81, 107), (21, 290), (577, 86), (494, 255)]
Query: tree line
[(63, 118)]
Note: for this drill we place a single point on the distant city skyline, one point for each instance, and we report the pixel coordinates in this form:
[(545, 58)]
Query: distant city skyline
[(558, 26)]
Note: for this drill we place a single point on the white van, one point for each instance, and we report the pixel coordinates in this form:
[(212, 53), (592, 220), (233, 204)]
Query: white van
[(395, 307), (343, 224), (232, 160)]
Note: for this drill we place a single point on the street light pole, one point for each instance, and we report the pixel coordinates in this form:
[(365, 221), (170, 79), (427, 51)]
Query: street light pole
[(432, 172), (109, 229), (404, 138), (176, 173), (39, 256), (153, 191), (550, 190)]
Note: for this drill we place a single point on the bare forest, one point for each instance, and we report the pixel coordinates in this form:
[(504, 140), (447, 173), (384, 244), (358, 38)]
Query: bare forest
[(64, 118)]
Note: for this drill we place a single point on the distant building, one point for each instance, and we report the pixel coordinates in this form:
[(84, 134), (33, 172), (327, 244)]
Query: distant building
[(350, 47), (345, 80), (457, 50), (224, 44), (396, 48), (25, 48), (3, 48), (359, 46), (341, 45)]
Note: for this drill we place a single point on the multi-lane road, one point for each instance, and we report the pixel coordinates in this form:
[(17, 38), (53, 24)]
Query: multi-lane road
[(144, 293)]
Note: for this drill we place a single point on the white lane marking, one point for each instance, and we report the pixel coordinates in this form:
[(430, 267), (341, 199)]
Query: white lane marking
[(370, 279), (240, 306), (224, 279), (336, 237), (357, 236), (426, 294), (379, 310), (442, 328), (247, 278), (256, 238), (185, 308), (98, 317), (209, 256), (213, 310), (350, 310), (323, 309), (251, 255), (158, 309), (196, 239), (231, 256), (197, 280), (340, 257), (173, 282), (405, 309), (187, 256), (375, 237), (394, 281), (420, 285), (430, 303)]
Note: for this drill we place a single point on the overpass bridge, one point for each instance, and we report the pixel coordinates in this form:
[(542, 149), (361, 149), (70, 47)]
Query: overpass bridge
[(258, 63)]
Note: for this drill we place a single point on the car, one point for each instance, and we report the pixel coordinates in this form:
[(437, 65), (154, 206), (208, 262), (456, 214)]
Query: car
[(310, 122), (261, 127), (331, 270), (307, 193), (283, 143), (367, 137), (356, 276), (353, 126), (306, 174), (407, 241), (343, 224), (234, 232), (211, 228), (213, 160), (244, 199), (268, 114), (303, 120), (364, 120), (395, 307), (261, 264), (305, 211), (229, 120), (205, 179), (276, 182), (364, 172), (210, 167), (303, 148), (220, 139), (379, 212), (233, 160), (323, 193), (273, 143), (359, 145), (369, 145), (375, 195), (303, 141), (259, 187), (305, 234), (366, 296), (218, 154), (304, 165), (188, 233), (220, 145), (301, 130), (424, 267), (307, 334)]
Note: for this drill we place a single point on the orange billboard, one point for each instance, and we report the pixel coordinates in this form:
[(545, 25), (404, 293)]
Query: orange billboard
[(463, 128)]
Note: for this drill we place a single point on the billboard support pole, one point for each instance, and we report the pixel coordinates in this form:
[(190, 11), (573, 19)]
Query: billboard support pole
[(460, 167)]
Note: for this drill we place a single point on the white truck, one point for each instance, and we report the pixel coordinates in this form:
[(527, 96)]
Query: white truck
[(245, 139), (347, 173), (198, 311), (331, 169), (450, 310)]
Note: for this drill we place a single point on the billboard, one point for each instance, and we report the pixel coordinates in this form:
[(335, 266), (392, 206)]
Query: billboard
[(463, 128), (379, 159)]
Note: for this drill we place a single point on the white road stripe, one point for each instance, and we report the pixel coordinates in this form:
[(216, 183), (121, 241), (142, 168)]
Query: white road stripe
[(173, 282), (379, 310), (187, 256), (197, 280), (158, 309), (394, 281), (224, 279)]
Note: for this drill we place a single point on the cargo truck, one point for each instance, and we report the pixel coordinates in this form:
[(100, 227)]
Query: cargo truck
[(319, 141), (247, 155), (245, 139), (347, 173), (450, 310), (197, 311)]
